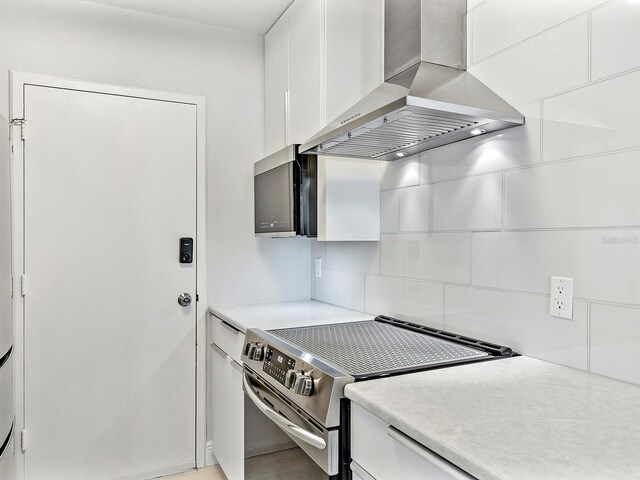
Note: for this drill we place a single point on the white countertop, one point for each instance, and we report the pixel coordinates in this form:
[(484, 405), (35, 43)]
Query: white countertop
[(302, 313), (517, 418)]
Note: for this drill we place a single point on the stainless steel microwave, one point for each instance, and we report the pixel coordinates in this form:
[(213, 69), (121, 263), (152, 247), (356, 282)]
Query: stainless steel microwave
[(285, 194)]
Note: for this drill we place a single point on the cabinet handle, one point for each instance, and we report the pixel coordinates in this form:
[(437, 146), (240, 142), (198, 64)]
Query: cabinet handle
[(230, 326), (431, 457), (218, 350), (235, 365), (361, 472)]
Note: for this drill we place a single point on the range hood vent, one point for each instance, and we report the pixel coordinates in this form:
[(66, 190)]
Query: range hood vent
[(428, 99)]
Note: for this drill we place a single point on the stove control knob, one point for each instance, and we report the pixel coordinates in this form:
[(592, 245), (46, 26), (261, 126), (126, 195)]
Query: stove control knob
[(290, 378), (250, 349), (254, 351), (257, 353), (304, 384)]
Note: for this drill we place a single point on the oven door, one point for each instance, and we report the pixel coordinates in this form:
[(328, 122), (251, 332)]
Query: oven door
[(317, 454)]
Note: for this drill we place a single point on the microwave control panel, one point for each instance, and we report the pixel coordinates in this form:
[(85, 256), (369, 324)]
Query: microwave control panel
[(273, 226), (277, 364)]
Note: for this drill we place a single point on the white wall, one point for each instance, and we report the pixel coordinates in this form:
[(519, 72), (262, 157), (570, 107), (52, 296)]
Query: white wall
[(475, 230), (85, 41)]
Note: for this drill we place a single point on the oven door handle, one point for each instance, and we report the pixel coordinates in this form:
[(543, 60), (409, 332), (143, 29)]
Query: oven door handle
[(283, 422)]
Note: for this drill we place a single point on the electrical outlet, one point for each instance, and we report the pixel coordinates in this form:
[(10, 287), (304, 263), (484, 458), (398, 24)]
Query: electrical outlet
[(561, 297), (318, 268)]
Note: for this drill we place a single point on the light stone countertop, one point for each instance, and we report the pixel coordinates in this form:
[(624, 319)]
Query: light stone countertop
[(267, 316), (516, 418)]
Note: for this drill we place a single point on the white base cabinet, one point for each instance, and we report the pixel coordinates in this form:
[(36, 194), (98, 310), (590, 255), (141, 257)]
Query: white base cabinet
[(230, 410), (381, 452), (227, 416)]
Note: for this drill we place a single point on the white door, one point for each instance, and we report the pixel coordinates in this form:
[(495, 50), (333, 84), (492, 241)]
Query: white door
[(110, 355)]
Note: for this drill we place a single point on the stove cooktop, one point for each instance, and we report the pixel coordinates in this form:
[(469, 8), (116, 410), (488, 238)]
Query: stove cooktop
[(377, 348)]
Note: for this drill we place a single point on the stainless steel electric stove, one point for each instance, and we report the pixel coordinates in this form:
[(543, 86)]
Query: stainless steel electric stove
[(296, 377)]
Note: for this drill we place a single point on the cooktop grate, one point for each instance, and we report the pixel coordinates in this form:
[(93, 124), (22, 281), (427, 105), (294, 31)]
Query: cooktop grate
[(370, 347)]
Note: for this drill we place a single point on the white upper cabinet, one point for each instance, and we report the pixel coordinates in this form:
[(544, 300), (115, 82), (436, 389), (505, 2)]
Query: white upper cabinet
[(276, 84), (306, 70), (321, 57), (354, 59)]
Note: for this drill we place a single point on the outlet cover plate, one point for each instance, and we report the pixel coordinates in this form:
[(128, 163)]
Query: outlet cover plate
[(561, 304)]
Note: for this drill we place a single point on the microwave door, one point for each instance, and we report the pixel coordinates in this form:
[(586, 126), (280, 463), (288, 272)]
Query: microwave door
[(274, 202)]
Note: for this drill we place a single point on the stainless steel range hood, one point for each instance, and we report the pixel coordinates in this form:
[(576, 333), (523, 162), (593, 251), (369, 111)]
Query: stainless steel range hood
[(428, 98)]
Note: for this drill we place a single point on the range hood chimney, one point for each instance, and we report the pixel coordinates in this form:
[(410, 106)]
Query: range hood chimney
[(428, 98)]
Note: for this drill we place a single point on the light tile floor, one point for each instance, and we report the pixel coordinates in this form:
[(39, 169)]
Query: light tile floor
[(210, 473)]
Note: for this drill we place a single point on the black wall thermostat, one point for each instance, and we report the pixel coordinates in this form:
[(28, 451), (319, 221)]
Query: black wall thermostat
[(186, 250)]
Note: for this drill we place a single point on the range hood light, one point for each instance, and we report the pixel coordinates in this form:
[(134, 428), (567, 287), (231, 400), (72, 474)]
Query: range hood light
[(477, 131), (400, 154)]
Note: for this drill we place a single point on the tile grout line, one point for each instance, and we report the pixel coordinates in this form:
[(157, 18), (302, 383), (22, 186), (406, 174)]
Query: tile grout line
[(588, 335), (541, 140), (589, 48), (539, 164)]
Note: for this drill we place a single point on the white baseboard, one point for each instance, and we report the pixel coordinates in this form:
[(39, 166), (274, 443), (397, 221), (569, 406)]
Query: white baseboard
[(157, 472), (210, 458)]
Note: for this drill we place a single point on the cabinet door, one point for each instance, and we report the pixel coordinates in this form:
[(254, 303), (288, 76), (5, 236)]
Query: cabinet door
[(385, 453), (236, 421), (220, 407), (276, 84), (353, 52), (306, 69)]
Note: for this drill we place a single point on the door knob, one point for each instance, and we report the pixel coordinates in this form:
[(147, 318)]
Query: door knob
[(184, 300)]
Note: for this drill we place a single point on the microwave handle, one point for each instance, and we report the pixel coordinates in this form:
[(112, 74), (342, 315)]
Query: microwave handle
[(281, 421)]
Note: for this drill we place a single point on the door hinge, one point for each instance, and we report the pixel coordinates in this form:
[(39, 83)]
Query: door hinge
[(23, 440), (23, 285), (22, 123)]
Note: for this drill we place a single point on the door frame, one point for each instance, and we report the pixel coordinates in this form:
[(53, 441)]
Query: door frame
[(17, 82)]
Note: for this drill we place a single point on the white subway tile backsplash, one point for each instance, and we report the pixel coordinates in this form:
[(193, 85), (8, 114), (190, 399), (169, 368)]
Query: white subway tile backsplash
[(499, 24), (520, 321), (592, 120), (615, 341), (424, 303), (416, 209), (476, 228), (614, 28), (590, 192), (384, 295), (389, 210), (418, 302), (438, 256), (515, 147), (604, 263), (401, 173), (550, 63), (473, 203), (471, 4), (345, 289), (353, 256)]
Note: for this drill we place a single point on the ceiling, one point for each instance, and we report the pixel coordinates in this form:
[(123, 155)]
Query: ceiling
[(254, 16)]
